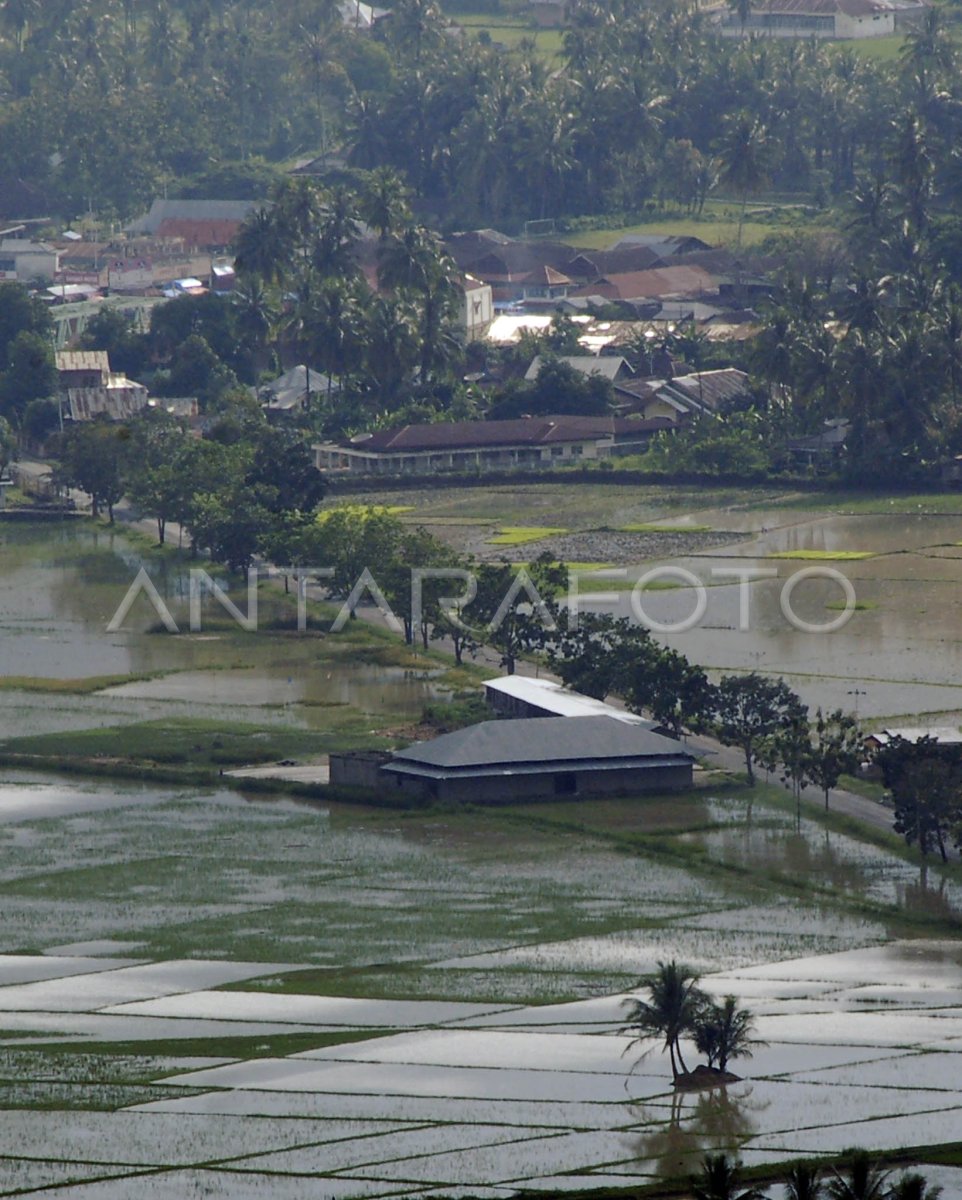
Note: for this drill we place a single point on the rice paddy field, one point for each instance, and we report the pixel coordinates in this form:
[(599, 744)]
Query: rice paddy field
[(219, 995), (207, 991)]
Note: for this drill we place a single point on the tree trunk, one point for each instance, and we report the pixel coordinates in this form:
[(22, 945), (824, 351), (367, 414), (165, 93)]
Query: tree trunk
[(748, 766)]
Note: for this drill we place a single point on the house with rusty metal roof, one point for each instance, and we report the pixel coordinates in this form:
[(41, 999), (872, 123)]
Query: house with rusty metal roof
[(653, 284), (88, 388), (202, 224), (700, 393)]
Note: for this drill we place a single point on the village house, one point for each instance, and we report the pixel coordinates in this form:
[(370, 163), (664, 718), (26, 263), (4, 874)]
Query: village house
[(198, 224), (88, 388), (527, 758), (841, 19), (522, 696), (476, 307), (293, 391), (683, 396), (23, 260), (607, 366), (474, 446)]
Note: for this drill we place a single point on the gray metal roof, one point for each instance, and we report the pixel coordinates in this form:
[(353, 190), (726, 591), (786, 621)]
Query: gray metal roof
[(586, 364), (519, 743), (291, 389), (558, 701)]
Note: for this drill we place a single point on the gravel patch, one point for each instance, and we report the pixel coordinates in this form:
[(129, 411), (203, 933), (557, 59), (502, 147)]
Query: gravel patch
[(605, 546)]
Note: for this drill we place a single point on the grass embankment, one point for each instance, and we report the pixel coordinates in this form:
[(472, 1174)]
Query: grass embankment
[(718, 224), (72, 687)]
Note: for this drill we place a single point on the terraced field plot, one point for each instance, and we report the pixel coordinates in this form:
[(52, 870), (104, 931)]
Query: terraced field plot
[(225, 997)]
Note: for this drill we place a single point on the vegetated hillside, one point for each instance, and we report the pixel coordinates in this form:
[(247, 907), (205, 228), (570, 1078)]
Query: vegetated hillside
[(110, 102)]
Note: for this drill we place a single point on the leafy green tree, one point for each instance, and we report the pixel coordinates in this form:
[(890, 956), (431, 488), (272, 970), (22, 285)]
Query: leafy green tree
[(589, 657), (158, 468), (8, 444), (516, 611), (20, 313), (231, 522), (750, 708), (558, 388), (283, 470), (111, 330), (352, 539), (670, 1012), (925, 780), (94, 456), (836, 749), (914, 1186), (30, 374), (197, 371)]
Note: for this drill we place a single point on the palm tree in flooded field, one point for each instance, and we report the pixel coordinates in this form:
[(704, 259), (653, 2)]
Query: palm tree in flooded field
[(672, 1010), (724, 1031)]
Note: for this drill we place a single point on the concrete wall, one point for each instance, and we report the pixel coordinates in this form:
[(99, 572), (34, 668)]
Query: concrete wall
[(505, 788), (358, 768), (874, 25)]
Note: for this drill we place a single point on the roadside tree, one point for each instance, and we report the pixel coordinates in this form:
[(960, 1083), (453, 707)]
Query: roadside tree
[(750, 708)]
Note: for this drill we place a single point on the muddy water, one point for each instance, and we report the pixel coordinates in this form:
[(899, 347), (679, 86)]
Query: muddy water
[(899, 653), (60, 585)]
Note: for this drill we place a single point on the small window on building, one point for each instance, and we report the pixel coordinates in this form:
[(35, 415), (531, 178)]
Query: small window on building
[(565, 784), (576, 450)]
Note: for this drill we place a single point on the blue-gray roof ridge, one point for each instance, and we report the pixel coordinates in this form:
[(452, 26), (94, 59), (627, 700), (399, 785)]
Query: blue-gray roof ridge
[(542, 739)]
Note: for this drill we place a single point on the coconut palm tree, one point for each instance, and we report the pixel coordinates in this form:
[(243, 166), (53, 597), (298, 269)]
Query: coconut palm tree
[(915, 1187), (384, 201), (742, 156), (864, 1180), (671, 1010), (724, 1031), (803, 1182), (261, 248), (720, 1179)]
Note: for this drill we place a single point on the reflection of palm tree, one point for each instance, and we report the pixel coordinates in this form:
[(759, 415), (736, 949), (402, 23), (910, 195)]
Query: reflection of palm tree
[(697, 1122)]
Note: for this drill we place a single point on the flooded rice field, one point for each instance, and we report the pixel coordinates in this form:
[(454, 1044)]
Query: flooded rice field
[(210, 994), (457, 985)]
